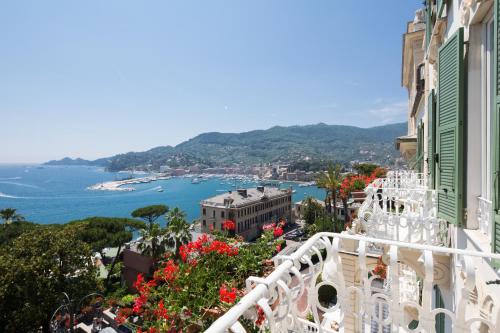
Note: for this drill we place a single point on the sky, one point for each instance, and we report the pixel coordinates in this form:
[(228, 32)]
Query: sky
[(95, 78)]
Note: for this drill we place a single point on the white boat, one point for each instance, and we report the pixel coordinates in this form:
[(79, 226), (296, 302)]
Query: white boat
[(195, 181)]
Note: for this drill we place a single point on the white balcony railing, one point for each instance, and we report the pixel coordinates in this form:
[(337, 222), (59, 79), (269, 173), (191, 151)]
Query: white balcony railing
[(359, 302), (400, 207), (484, 215)]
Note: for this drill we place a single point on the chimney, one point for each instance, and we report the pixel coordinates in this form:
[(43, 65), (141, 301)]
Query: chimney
[(260, 189), (242, 192)]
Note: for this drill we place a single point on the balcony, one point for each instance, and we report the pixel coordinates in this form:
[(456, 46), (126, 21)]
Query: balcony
[(391, 272), (292, 298), (400, 207)]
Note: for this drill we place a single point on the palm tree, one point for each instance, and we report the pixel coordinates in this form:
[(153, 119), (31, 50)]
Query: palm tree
[(9, 215), (177, 229), (330, 181)]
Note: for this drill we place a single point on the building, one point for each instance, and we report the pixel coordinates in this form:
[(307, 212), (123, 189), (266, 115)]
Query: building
[(250, 209), (436, 228)]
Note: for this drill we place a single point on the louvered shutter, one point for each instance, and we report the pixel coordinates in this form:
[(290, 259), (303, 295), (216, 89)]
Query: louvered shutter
[(450, 117), (428, 23), (431, 138), (496, 139)]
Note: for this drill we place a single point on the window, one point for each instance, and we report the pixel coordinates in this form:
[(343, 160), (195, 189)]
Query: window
[(204, 211), (213, 214), (204, 223), (222, 214), (487, 108)]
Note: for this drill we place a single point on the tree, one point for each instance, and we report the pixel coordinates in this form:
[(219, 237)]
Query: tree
[(101, 232), (9, 232), (153, 238), (35, 269), (177, 229), (365, 169), (9, 215), (312, 210), (150, 213), (330, 181)]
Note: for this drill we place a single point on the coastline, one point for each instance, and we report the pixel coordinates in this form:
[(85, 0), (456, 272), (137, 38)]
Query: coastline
[(117, 185), (120, 185)]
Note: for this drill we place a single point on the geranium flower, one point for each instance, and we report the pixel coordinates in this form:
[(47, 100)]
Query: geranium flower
[(227, 296), (269, 227), (229, 225), (170, 271), (278, 248), (138, 283), (278, 232), (260, 316), (161, 311)]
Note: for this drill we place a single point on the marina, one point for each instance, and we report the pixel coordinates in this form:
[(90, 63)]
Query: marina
[(57, 194)]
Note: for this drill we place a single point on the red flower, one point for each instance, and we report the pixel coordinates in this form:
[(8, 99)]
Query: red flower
[(205, 245), (229, 225), (278, 232), (278, 248), (170, 271), (161, 311), (227, 296), (139, 281), (120, 319), (269, 227), (260, 316), (139, 302)]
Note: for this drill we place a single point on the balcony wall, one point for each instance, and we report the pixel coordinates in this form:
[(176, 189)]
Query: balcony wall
[(428, 286), (364, 302)]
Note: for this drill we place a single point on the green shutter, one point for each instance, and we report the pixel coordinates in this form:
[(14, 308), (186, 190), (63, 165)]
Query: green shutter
[(428, 23), (440, 7), (449, 132), (431, 138), (496, 139)]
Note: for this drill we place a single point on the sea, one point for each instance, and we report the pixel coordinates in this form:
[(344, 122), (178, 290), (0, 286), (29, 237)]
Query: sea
[(59, 194)]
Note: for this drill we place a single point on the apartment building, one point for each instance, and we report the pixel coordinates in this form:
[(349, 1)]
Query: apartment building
[(436, 229), (249, 208), (455, 131)]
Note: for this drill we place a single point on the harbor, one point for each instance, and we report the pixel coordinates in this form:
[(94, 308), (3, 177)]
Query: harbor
[(121, 185), (233, 181)]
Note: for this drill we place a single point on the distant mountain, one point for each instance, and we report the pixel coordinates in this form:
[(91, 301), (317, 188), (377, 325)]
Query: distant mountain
[(283, 144), (78, 161)]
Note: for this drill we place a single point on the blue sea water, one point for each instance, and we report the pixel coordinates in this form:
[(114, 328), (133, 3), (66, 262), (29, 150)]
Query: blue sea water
[(58, 194)]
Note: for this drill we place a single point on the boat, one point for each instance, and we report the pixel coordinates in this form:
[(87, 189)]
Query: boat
[(159, 189), (195, 181)]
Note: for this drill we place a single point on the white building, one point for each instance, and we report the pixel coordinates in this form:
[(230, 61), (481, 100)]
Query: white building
[(436, 228)]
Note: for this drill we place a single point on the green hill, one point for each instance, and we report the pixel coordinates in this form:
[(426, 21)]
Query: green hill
[(283, 144)]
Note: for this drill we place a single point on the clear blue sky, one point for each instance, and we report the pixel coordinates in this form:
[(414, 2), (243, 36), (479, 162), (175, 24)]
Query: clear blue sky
[(95, 78)]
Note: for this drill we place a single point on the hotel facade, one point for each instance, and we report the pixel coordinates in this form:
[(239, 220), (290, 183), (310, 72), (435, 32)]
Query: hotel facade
[(250, 209), (423, 256)]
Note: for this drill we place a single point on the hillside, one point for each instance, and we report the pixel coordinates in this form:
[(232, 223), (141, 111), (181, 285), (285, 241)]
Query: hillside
[(284, 144)]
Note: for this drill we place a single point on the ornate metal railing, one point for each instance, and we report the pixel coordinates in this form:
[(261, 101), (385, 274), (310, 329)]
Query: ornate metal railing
[(400, 207), (484, 215), (292, 297)]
